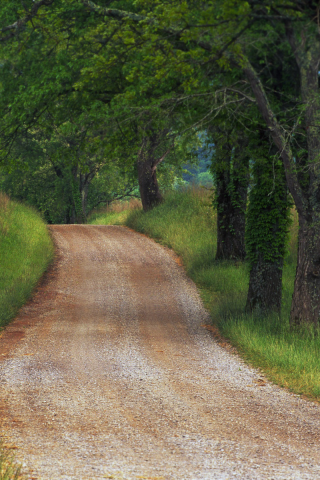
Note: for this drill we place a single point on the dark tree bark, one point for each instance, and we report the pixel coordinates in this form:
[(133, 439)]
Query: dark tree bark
[(147, 163), (148, 184), (265, 286), (85, 180), (74, 214), (231, 212), (307, 281), (231, 181)]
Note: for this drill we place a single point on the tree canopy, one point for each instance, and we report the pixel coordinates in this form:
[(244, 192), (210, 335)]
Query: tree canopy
[(90, 87)]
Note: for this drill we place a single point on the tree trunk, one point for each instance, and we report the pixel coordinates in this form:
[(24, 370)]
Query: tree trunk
[(267, 226), (231, 181), (84, 198), (231, 220), (147, 163), (306, 296), (265, 286), (74, 213), (148, 184)]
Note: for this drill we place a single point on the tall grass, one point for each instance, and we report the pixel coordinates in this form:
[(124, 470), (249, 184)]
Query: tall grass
[(186, 222), (26, 250)]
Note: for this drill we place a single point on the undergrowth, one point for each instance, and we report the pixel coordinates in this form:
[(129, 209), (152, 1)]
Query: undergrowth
[(186, 222), (26, 250)]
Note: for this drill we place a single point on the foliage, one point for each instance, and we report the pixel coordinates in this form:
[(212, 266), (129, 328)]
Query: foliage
[(268, 215)]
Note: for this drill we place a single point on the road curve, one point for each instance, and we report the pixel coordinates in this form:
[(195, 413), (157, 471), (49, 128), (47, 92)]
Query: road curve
[(107, 373)]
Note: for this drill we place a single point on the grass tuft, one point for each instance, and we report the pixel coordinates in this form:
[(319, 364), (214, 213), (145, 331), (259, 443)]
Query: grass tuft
[(9, 470), (186, 222)]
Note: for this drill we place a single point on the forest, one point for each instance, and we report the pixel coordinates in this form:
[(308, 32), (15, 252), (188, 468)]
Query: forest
[(107, 100)]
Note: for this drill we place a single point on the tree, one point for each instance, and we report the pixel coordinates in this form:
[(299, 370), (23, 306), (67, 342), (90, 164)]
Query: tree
[(230, 169), (302, 170), (268, 219), (148, 159)]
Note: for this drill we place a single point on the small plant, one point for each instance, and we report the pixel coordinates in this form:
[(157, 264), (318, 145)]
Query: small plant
[(9, 470)]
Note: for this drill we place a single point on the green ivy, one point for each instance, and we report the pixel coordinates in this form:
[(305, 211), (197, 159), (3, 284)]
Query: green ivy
[(268, 214)]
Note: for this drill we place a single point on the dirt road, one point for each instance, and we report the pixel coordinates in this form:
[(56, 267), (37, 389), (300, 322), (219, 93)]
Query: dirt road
[(108, 373)]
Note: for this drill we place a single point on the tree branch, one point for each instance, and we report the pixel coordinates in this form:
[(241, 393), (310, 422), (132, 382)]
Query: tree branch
[(160, 159), (115, 13), (277, 136), (19, 24)]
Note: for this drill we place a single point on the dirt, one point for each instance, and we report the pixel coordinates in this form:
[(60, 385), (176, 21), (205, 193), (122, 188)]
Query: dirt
[(111, 371)]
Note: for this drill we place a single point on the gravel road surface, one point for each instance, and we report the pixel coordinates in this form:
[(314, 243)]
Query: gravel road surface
[(108, 373)]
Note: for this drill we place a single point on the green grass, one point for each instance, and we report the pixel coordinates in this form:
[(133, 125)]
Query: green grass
[(187, 223), (9, 470), (113, 218), (26, 250)]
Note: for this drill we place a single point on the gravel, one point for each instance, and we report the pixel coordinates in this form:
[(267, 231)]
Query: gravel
[(108, 373)]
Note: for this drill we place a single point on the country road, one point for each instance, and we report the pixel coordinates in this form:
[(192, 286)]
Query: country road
[(108, 373)]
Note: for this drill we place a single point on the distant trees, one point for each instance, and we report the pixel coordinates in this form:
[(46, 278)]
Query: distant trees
[(66, 171)]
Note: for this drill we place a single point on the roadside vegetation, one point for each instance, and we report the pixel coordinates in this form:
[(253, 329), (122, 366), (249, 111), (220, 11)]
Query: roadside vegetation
[(186, 222), (9, 470), (26, 250)]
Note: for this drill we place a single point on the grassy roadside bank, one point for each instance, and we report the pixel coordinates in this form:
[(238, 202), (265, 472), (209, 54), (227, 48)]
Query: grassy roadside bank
[(186, 222), (26, 250)]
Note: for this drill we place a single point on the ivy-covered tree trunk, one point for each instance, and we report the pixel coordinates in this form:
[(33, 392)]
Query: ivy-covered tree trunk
[(303, 177), (147, 163), (231, 186), (267, 225)]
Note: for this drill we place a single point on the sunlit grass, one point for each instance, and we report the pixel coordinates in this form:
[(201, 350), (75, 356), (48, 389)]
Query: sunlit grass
[(116, 213), (26, 250), (186, 222)]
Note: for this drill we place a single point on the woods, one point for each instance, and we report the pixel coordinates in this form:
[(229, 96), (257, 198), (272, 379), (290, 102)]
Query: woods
[(103, 100)]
